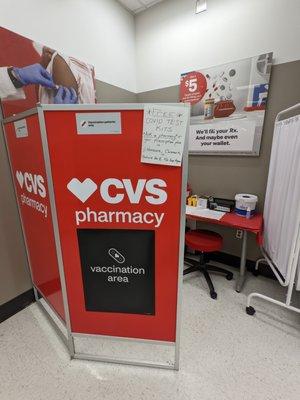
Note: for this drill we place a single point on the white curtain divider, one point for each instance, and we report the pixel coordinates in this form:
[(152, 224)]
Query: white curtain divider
[(298, 276), (281, 247), (282, 203)]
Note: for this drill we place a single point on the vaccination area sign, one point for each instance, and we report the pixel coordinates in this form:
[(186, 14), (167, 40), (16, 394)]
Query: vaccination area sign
[(104, 230), (228, 105)]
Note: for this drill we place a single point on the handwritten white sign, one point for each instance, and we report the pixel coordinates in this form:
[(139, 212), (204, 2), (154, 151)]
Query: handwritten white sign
[(164, 134)]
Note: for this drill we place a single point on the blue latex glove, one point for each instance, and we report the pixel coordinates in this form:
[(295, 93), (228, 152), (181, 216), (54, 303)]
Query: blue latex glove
[(65, 96), (34, 74)]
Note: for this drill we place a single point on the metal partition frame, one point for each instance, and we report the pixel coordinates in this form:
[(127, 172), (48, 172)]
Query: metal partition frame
[(71, 336)]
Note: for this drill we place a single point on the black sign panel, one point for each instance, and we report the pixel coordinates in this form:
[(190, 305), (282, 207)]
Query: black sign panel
[(118, 270)]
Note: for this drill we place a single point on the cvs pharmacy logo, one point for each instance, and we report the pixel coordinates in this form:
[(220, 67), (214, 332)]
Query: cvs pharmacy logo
[(114, 191), (82, 190), (33, 183)]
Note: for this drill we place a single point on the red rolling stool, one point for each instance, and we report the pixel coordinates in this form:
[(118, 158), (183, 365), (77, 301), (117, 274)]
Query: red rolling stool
[(204, 242)]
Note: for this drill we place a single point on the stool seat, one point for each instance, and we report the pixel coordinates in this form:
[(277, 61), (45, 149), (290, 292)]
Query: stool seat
[(203, 240)]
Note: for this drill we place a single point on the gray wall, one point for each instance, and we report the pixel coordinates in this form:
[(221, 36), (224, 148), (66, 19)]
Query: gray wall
[(107, 93), (14, 275), (224, 176)]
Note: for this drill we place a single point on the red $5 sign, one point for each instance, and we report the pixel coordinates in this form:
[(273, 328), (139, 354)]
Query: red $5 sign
[(192, 87)]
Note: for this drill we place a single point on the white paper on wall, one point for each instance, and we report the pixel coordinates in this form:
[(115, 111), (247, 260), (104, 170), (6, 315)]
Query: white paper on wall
[(226, 136), (164, 134)]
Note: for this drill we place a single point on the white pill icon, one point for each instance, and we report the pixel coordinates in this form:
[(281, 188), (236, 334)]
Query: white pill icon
[(116, 255)]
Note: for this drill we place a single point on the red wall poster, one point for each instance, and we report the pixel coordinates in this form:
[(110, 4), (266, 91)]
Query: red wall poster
[(31, 72)]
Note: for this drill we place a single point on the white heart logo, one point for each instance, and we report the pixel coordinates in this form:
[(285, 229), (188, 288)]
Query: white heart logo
[(82, 190), (20, 178)]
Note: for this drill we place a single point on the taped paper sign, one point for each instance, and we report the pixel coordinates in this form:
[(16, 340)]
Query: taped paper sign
[(164, 134), (21, 128), (98, 123)]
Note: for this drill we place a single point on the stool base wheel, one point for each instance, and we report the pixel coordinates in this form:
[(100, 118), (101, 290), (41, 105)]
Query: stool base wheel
[(250, 310), (213, 295), (229, 276)]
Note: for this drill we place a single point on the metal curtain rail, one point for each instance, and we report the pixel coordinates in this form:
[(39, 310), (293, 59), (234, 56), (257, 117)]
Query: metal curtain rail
[(290, 280), (292, 108)]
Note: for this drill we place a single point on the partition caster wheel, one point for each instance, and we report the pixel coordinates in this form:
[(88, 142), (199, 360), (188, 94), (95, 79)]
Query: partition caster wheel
[(255, 272), (213, 295), (250, 310), (229, 276)]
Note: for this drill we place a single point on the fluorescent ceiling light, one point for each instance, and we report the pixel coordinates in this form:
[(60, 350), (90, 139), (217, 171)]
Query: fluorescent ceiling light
[(201, 6)]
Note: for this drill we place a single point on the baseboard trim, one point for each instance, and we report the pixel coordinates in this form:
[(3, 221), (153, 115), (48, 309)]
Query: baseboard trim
[(234, 261), (15, 305)]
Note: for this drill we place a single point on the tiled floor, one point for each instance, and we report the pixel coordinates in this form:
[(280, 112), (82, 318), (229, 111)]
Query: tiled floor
[(225, 354)]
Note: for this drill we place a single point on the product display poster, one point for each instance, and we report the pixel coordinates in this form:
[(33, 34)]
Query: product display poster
[(164, 132), (41, 62), (118, 270), (228, 105)]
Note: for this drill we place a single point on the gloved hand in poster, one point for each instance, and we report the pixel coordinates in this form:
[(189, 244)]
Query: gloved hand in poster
[(34, 74), (65, 95)]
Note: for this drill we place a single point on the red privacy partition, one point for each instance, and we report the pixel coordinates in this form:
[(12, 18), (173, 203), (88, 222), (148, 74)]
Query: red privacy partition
[(104, 231), (100, 157), (32, 192)]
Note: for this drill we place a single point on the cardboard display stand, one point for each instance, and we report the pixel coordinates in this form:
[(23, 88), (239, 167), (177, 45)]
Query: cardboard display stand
[(104, 232)]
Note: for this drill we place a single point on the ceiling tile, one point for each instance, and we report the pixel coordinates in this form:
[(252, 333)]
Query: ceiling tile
[(136, 6)]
